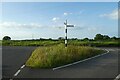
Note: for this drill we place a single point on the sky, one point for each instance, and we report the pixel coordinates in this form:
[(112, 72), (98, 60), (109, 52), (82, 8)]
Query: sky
[(60, 0), (34, 20)]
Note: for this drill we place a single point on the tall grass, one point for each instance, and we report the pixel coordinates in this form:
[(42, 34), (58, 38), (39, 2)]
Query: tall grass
[(57, 55), (52, 42), (29, 43), (0, 42), (96, 43)]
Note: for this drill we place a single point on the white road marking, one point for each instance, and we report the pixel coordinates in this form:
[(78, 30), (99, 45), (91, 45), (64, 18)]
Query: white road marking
[(118, 77), (112, 50), (17, 73), (22, 66), (80, 61)]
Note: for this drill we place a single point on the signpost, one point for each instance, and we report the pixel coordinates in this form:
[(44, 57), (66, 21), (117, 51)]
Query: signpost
[(66, 25)]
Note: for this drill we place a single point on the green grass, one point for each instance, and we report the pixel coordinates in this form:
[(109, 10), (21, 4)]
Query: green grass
[(96, 43), (114, 43), (0, 42), (29, 43), (57, 55)]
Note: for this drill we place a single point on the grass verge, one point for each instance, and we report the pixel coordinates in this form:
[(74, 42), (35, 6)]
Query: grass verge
[(58, 55), (114, 43)]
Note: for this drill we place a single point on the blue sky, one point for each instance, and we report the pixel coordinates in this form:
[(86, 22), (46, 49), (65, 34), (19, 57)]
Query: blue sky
[(26, 20)]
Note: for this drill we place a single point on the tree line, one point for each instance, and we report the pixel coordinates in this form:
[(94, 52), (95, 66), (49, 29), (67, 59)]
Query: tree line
[(98, 37)]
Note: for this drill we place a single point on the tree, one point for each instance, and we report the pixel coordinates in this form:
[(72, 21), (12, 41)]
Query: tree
[(106, 37), (98, 37), (114, 38), (86, 39), (73, 38), (60, 38), (50, 39), (6, 38)]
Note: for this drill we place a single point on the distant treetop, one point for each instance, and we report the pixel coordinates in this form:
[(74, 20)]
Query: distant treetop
[(6, 38)]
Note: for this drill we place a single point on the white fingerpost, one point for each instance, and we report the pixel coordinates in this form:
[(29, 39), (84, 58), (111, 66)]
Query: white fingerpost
[(66, 32)]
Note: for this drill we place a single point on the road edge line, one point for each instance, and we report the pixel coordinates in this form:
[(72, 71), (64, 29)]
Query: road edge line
[(80, 60), (22, 66), (118, 77), (17, 72)]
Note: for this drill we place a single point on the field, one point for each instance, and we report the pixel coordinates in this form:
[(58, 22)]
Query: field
[(57, 55), (109, 43)]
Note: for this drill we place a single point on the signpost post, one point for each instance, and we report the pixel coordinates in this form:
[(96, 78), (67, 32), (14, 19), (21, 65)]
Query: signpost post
[(66, 25)]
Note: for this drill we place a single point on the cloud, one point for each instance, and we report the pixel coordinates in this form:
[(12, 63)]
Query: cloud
[(92, 29), (19, 25), (65, 13), (55, 19), (80, 12), (58, 27), (113, 15)]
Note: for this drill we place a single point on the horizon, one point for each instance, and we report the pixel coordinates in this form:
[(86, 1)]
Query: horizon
[(61, 37), (27, 20)]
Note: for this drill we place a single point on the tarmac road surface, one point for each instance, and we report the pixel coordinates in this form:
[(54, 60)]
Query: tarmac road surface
[(105, 66)]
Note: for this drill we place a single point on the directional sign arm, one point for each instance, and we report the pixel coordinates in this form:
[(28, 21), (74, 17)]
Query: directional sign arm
[(70, 25)]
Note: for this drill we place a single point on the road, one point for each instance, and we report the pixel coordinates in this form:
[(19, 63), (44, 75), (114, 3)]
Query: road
[(105, 66), (13, 58)]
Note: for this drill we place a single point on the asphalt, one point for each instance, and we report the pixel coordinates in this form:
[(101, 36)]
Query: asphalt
[(105, 66), (13, 58)]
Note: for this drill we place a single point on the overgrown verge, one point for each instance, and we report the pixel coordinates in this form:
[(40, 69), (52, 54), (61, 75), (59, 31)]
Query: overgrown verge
[(57, 55), (55, 42)]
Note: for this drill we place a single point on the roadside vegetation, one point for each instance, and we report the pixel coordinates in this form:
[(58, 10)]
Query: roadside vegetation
[(52, 52), (0, 42), (98, 41), (57, 55), (108, 43)]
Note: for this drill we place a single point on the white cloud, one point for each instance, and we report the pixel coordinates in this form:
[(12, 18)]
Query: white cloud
[(81, 11), (19, 25), (92, 29), (65, 13), (113, 15), (55, 19)]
